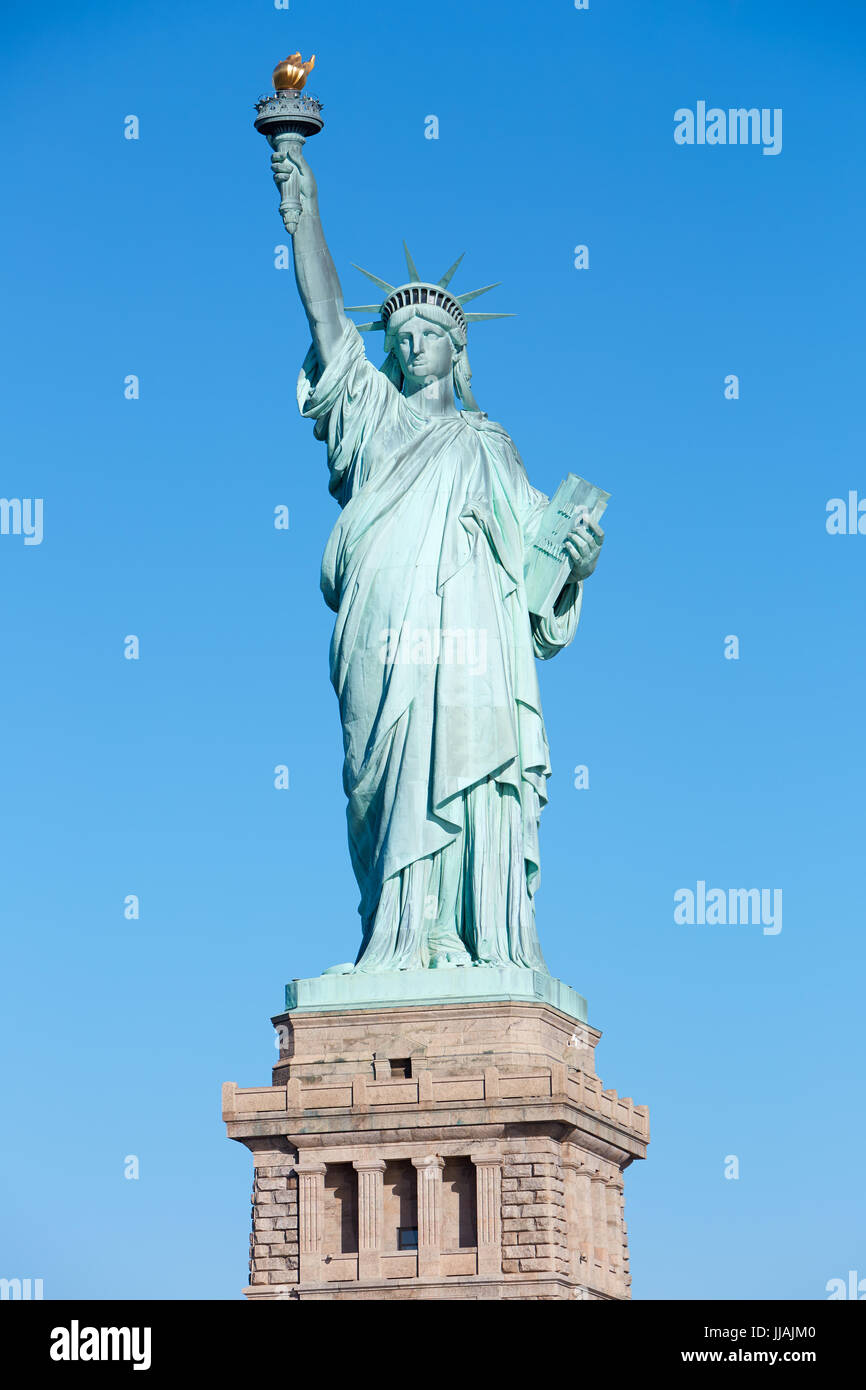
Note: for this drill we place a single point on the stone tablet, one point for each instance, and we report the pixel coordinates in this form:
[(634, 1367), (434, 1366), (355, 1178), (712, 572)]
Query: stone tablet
[(548, 567)]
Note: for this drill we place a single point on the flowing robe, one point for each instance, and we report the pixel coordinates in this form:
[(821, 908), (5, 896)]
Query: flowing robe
[(432, 660)]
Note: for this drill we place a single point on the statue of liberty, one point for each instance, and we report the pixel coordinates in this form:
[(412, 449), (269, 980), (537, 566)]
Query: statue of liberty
[(434, 647)]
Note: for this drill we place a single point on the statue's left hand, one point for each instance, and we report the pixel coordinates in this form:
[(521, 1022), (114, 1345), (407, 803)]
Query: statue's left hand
[(583, 546)]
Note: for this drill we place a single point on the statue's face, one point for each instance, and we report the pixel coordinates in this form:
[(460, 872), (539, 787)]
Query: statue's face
[(425, 351)]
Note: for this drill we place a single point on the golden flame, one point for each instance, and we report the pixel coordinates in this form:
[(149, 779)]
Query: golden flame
[(291, 74)]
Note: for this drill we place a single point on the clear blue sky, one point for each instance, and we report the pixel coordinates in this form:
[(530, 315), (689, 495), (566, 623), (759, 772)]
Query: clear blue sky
[(155, 777)]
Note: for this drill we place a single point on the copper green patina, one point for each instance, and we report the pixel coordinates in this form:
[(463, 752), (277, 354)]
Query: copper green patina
[(433, 656)]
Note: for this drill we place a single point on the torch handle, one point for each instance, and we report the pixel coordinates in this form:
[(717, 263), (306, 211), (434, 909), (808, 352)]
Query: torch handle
[(290, 196)]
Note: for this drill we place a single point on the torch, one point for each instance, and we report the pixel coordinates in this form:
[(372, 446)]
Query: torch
[(286, 118)]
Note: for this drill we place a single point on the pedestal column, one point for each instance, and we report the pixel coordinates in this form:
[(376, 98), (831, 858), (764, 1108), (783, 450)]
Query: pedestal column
[(579, 1213), (370, 1216), (488, 1211), (311, 1201), (613, 1197), (429, 1215), (599, 1273)]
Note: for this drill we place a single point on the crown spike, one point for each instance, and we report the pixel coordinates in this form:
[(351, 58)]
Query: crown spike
[(476, 318), (370, 327), (410, 265), (362, 308), (447, 277), (383, 284), (473, 294)]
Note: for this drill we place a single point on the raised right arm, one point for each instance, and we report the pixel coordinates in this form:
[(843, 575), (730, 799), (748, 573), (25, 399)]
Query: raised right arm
[(315, 272)]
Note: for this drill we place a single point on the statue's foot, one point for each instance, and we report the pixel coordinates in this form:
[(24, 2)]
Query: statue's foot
[(449, 960), (345, 968)]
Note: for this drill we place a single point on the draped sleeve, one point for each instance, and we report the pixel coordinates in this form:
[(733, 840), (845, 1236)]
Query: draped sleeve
[(352, 405), (551, 634)]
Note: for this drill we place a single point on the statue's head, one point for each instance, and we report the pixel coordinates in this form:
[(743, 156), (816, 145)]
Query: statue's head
[(425, 339), (425, 344), (425, 330), (425, 350)]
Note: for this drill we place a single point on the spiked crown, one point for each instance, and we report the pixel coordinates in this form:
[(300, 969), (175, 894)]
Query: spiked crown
[(422, 292)]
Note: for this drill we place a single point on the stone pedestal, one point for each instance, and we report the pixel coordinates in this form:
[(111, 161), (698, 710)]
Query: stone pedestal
[(452, 1149)]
